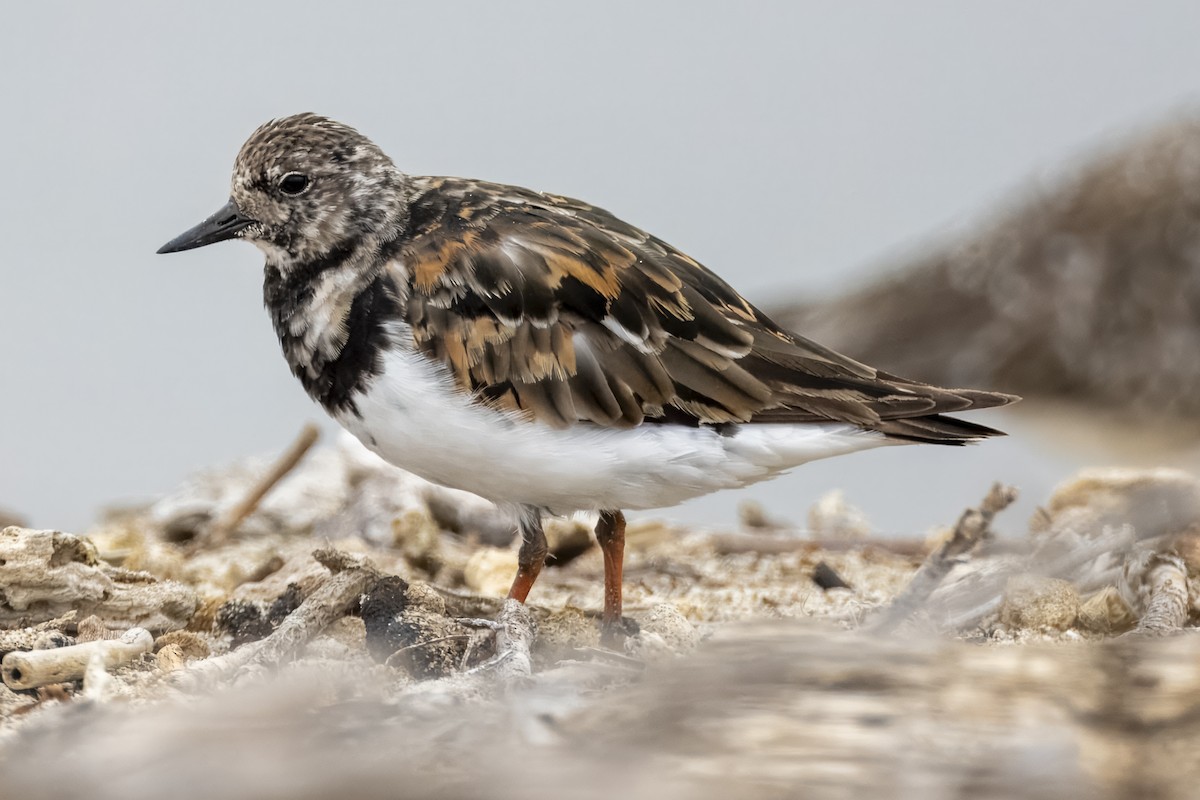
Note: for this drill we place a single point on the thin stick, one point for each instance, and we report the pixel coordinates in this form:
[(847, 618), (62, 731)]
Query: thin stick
[(287, 461), (1167, 611), (972, 527)]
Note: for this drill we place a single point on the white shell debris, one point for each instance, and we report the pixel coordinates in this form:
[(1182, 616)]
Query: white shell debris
[(45, 574), (28, 669)]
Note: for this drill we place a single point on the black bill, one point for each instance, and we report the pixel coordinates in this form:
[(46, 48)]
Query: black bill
[(225, 224)]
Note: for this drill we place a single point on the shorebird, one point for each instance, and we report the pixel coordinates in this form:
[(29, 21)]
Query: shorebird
[(536, 350)]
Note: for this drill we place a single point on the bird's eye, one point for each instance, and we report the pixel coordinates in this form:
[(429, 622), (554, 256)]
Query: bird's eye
[(293, 183)]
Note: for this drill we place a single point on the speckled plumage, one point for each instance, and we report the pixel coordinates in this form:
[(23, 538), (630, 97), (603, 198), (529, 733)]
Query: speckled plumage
[(533, 348)]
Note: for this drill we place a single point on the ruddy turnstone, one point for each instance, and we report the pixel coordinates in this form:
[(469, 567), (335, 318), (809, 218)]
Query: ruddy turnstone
[(536, 350)]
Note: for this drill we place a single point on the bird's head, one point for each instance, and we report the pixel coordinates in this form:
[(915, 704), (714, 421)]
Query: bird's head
[(303, 187)]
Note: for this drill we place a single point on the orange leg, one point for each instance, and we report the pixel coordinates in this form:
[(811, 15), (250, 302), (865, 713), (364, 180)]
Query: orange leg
[(532, 555), (610, 533)]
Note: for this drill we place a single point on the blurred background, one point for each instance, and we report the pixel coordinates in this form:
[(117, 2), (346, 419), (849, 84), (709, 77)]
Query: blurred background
[(804, 152)]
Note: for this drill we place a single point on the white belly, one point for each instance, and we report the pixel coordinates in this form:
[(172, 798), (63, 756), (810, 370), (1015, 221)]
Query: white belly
[(413, 416)]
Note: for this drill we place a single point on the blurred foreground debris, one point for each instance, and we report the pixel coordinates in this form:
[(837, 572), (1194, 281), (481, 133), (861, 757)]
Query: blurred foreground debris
[(1110, 548), (762, 710), (353, 659), (973, 528)]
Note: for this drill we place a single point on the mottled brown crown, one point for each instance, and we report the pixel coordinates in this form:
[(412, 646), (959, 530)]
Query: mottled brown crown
[(354, 190)]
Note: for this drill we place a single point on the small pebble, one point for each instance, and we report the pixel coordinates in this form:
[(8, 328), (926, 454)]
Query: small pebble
[(665, 633), (170, 658)]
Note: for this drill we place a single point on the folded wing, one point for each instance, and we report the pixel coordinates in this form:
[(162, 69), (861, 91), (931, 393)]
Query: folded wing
[(548, 306)]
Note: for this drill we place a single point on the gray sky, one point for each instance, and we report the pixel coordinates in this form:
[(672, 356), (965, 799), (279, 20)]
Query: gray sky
[(790, 146)]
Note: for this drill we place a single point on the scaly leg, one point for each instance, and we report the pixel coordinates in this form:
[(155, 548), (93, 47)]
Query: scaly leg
[(532, 554), (610, 533)]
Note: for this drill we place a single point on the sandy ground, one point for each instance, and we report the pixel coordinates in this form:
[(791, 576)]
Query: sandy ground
[(765, 661)]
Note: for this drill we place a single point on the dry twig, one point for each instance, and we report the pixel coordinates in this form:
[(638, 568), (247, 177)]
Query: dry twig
[(224, 527)]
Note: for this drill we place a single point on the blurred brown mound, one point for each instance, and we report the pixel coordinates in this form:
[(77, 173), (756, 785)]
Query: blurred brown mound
[(1087, 291)]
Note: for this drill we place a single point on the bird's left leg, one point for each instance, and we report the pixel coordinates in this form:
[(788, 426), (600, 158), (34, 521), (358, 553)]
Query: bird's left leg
[(610, 533), (532, 555)]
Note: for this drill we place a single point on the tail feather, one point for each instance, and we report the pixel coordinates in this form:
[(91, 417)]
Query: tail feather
[(936, 429)]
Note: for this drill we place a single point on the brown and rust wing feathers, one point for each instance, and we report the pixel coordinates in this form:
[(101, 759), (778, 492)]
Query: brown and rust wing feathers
[(549, 306)]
